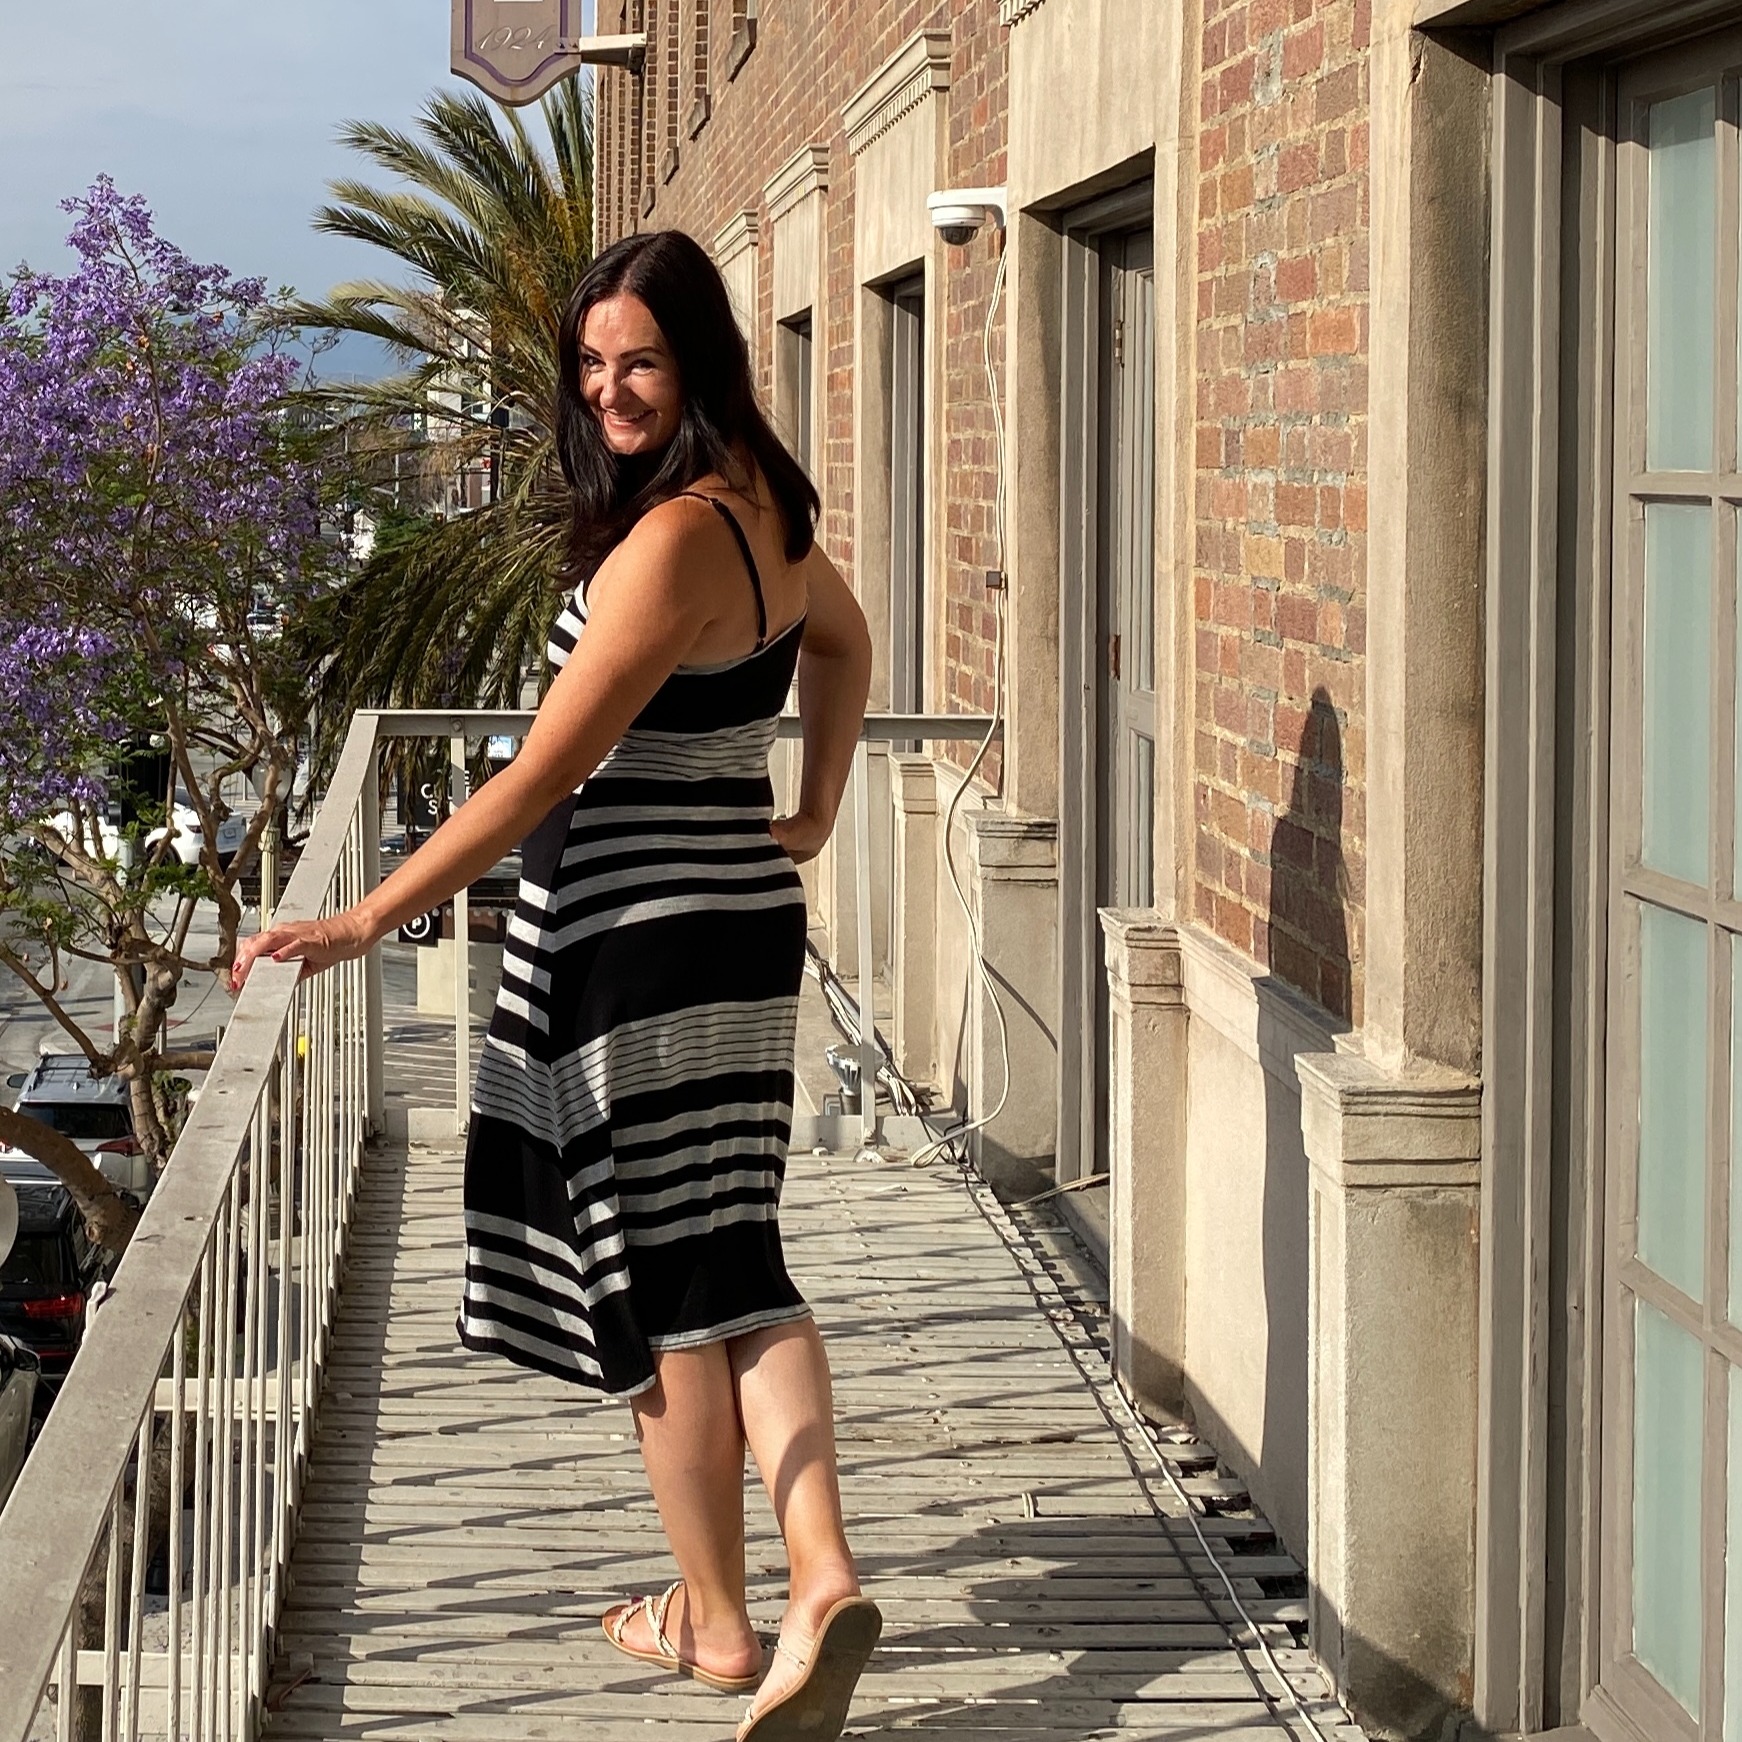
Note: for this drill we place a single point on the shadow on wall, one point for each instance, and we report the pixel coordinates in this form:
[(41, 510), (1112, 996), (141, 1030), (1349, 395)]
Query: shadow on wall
[(1308, 939)]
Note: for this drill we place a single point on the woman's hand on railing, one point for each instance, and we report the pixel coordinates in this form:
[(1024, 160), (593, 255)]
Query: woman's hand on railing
[(316, 943), (800, 836)]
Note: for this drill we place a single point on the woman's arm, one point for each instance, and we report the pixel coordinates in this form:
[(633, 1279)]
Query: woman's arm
[(647, 607), (834, 678)]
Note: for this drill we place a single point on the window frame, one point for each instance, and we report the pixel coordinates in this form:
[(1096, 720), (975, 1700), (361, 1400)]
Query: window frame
[(1539, 1656)]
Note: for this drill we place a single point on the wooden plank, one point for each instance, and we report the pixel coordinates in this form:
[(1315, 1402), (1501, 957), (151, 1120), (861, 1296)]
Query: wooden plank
[(463, 1524)]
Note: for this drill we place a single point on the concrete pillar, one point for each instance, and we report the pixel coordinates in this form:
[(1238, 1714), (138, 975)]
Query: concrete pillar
[(1012, 870), (913, 947), (1392, 1391), (1147, 1139)]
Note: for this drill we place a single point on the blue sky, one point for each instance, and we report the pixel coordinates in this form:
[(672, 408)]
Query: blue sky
[(221, 112)]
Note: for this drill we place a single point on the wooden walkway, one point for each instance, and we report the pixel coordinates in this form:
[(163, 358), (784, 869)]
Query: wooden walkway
[(466, 1523)]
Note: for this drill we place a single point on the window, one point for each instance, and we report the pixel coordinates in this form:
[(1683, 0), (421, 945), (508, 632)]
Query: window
[(699, 100), (743, 36), (793, 365), (907, 626), (1672, 1588)]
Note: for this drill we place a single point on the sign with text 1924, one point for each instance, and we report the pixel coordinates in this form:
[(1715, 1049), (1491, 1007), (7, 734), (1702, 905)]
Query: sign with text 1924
[(517, 49)]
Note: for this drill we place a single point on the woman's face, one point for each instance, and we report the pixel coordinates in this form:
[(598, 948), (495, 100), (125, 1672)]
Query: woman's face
[(628, 376)]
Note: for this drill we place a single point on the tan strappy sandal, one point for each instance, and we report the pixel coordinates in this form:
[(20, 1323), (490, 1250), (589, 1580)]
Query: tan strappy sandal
[(814, 1708), (615, 1623)]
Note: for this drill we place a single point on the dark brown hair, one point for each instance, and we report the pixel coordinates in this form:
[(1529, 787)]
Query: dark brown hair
[(720, 424)]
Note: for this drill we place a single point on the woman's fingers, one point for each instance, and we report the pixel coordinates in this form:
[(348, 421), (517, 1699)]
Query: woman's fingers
[(284, 943)]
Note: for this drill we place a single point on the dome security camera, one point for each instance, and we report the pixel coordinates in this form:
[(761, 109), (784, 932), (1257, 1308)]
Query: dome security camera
[(959, 214)]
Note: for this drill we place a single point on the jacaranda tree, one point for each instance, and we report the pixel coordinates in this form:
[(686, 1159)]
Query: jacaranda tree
[(161, 520)]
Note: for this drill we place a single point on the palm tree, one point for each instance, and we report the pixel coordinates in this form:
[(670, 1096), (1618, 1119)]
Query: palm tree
[(496, 231)]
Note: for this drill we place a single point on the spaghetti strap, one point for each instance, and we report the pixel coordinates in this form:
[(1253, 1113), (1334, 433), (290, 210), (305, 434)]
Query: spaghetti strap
[(731, 520)]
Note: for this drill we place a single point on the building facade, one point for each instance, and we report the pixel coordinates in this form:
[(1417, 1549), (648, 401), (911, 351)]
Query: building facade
[(1328, 471)]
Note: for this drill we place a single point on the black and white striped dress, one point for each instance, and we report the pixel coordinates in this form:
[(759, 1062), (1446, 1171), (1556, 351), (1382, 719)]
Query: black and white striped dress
[(634, 1097)]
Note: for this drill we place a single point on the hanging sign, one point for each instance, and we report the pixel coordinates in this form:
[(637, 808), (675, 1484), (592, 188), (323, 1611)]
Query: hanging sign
[(517, 49)]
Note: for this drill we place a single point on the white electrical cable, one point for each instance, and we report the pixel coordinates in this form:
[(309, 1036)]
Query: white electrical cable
[(1147, 1434), (931, 1151)]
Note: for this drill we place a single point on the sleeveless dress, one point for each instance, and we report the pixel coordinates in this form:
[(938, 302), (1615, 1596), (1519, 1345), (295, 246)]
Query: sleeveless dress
[(633, 1103)]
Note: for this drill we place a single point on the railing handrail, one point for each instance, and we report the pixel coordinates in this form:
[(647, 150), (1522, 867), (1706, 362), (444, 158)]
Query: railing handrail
[(880, 727), (54, 1522)]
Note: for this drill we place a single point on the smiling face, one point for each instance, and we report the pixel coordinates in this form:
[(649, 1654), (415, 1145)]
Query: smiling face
[(628, 376)]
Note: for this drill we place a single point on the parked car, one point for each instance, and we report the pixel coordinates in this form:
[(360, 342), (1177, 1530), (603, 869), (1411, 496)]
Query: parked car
[(94, 1112), (185, 844), (46, 1282), (19, 1370)]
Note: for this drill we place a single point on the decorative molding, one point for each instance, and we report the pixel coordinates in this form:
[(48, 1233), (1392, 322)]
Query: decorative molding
[(700, 110), (913, 780), (738, 233), (1266, 1019), (806, 173), (1014, 11), (1012, 849), (647, 193), (1366, 1128), (668, 163), (918, 69), (1142, 957)]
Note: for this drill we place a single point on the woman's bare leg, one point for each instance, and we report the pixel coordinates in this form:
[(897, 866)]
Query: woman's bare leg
[(786, 1405), (693, 1446)]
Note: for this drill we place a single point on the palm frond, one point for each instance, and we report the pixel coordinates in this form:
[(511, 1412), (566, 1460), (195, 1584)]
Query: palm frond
[(493, 229)]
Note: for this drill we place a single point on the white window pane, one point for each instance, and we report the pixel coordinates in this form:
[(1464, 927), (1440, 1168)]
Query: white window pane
[(1681, 282), (1672, 1098), (1677, 702), (1668, 1367)]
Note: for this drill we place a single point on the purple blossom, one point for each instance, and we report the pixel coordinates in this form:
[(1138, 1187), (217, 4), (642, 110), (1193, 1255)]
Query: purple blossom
[(153, 486)]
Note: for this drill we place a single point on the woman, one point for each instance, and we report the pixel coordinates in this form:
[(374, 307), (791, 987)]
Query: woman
[(634, 1097)]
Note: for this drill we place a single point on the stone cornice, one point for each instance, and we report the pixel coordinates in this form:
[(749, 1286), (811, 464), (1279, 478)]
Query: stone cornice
[(739, 232), (1014, 11), (807, 172), (1365, 1127), (918, 69)]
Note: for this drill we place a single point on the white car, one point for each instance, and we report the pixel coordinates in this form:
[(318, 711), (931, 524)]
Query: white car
[(189, 833), (95, 1113)]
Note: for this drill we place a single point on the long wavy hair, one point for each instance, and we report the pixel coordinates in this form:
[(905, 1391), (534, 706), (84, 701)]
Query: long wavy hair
[(721, 424)]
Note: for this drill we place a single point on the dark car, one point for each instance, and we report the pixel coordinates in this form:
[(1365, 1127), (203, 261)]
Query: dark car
[(46, 1282)]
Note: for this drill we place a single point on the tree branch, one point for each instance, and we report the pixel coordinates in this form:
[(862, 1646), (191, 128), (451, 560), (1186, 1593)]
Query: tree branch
[(109, 1218)]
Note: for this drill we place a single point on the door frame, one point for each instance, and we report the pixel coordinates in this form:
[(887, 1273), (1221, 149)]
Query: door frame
[(1540, 1473), (1083, 230)]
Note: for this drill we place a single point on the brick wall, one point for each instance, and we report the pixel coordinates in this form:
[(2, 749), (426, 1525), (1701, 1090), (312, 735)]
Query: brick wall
[(1280, 414), (1281, 502), (788, 93)]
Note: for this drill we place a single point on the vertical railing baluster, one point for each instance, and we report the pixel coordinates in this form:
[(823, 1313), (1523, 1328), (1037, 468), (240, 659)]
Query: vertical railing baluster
[(136, 1568), (112, 1616), (198, 1598), (284, 1476), (67, 1709), (244, 1415), (224, 1338), (462, 956), (864, 955), (374, 998), (259, 1173), (173, 1549)]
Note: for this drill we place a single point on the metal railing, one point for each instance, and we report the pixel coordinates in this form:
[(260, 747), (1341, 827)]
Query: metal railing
[(177, 1452)]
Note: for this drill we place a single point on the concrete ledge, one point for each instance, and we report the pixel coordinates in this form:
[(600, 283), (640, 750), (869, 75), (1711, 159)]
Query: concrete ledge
[(1365, 1128), (1247, 1005), (421, 1125)]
